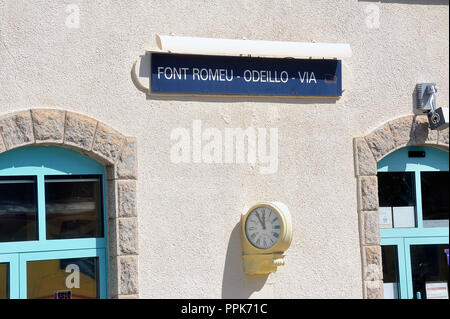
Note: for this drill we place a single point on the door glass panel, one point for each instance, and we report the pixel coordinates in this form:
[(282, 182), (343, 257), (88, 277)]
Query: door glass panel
[(73, 207), (75, 278), (397, 198), (429, 266), (4, 281), (390, 272), (435, 200), (18, 208)]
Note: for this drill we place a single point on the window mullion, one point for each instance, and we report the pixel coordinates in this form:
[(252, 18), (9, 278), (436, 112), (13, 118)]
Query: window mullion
[(42, 230), (419, 199), (402, 265), (22, 277)]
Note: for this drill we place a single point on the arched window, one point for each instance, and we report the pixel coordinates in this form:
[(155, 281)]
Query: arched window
[(413, 186), (53, 236)]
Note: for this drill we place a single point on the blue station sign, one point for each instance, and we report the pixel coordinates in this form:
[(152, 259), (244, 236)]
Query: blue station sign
[(225, 75)]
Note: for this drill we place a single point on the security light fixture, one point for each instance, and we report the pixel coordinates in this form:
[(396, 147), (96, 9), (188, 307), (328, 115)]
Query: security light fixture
[(426, 103)]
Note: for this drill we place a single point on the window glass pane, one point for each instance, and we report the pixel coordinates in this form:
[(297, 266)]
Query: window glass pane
[(435, 200), (4, 281), (396, 189), (429, 265), (390, 272), (397, 198), (75, 278), (73, 207), (18, 208)]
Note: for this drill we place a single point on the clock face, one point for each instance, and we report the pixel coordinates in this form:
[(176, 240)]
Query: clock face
[(262, 227)]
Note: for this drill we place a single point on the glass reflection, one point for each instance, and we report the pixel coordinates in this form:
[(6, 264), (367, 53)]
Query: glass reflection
[(18, 208), (73, 207), (429, 271), (75, 278), (4, 281), (390, 272), (435, 200), (397, 198), (396, 189)]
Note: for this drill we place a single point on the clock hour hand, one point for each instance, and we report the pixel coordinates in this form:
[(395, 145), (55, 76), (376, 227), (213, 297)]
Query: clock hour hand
[(262, 223), (264, 220)]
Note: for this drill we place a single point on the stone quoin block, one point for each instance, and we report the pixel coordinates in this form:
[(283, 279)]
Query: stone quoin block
[(128, 275), (368, 188), (381, 141), (108, 143), (401, 130), (365, 162), (79, 131), (126, 195), (2, 145), (48, 125), (127, 236), (126, 166), (370, 228), (373, 289), (443, 137), (372, 262), (17, 130)]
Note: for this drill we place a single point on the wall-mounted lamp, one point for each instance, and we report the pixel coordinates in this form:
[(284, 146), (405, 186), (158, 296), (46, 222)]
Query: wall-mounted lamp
[(255, 48), (426, 103)]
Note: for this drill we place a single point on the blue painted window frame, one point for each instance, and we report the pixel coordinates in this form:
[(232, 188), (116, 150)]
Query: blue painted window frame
[(398, 161), (13, 261), (41, 161)]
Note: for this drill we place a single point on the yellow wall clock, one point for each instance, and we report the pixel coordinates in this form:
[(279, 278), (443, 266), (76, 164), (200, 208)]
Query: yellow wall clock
[(266, 235)]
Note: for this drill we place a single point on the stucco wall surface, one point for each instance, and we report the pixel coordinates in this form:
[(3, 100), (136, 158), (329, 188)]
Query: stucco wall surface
[(188, 214)]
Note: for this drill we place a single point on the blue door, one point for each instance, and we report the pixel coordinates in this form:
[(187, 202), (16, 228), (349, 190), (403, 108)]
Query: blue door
[(413, 186), (53, 242)]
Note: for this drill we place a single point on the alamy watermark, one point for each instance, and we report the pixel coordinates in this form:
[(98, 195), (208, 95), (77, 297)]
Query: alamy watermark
[(211, 145), (73, 279), (73, 17), (372, 19)]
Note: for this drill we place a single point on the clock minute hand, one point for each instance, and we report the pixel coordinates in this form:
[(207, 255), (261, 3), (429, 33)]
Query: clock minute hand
[(262, 223), (264, 220)]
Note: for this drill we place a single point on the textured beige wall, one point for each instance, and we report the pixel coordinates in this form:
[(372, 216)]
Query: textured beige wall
[(188, 213)]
